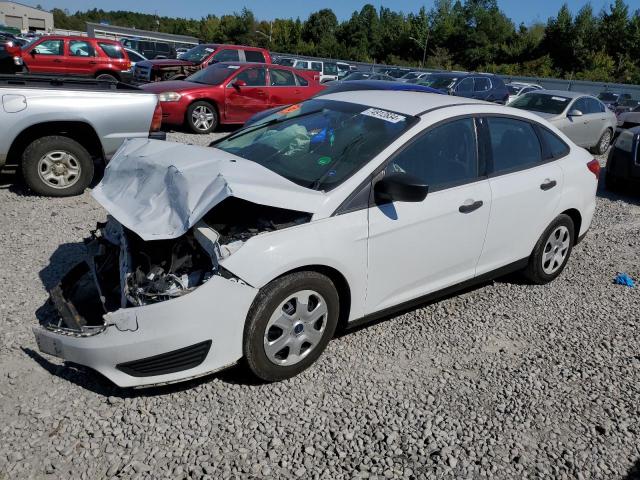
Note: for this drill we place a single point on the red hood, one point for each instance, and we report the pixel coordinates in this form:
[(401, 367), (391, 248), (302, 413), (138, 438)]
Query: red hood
[(171, 86), (167, 62)]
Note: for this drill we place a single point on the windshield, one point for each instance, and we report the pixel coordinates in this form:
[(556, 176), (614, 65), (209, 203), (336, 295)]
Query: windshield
[(286, 62), (213, 75), (357, 76), (541, 102), (318, 144), (198, 54), (608, 97), (411, 75), (441, 82)]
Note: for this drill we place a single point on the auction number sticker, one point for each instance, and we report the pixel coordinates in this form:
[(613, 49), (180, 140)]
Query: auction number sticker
[(384, 115), (559, 99)]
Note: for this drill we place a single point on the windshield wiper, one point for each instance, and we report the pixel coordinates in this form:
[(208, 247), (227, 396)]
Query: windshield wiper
[(274, 121)]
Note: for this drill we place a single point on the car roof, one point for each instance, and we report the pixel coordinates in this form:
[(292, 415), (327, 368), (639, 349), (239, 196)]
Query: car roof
[(355, 85), (405, 102)]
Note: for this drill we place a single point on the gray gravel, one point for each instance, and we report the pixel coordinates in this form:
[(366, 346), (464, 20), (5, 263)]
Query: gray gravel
[(505, 381)]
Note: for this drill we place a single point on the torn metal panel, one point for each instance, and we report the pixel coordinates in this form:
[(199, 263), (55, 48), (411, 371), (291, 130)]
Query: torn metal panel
[(159, 190)]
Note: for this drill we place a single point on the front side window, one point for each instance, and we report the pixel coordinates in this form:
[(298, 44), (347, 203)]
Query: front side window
[(442, 157), (227, 56), (465, 86), (111, 50), (253, 77), (514, 144), (318, 144), (594, 106), (317, 66), (50, 47), (330, 69), (79, 48), (282, 78), (581, 105)]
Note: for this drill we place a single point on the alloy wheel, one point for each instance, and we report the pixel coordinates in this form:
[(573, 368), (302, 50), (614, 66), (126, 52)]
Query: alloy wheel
[(202, 118)]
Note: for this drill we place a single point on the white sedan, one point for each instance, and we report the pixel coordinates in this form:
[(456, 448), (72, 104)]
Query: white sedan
[(331, 212)]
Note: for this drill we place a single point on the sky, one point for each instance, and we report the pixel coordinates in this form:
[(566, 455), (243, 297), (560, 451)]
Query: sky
[(527, 11)]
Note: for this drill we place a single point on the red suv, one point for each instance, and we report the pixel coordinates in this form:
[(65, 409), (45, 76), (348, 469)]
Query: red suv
[(196, 59), (231, 93), (89, 57)]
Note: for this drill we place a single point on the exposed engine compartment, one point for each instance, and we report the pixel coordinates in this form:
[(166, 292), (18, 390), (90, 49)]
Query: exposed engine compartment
[(122, 270)]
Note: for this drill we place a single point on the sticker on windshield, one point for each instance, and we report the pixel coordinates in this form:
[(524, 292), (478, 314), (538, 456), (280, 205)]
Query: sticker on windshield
[(384, 115), (559, 99), (233, 67), (291, 109), (209, 50)]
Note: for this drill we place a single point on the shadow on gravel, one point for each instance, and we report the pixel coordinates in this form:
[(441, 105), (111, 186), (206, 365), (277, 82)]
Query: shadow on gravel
[(625, 193), (634, 472)]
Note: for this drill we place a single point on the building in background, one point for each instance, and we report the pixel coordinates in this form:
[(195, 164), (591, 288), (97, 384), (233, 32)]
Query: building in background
[(25, 18)]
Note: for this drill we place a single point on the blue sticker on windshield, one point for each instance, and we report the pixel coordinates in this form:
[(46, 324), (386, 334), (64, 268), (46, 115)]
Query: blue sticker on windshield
[(331, 173)]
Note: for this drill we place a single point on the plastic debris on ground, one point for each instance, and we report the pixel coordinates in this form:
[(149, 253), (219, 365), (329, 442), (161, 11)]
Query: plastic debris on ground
[(624, 279)]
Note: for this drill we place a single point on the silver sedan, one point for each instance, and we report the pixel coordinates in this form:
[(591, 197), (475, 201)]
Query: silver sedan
[(583, 118)]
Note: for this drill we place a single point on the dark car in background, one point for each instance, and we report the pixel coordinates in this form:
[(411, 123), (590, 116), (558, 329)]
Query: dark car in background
[(623, 164), (10, 63), (150, 49), (613, 99), (481, 86), (368, 76)]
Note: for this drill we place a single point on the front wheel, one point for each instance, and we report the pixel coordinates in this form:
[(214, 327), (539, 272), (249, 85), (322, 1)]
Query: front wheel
[(202, 117), (551, 253), (57, 166), (289, 325)]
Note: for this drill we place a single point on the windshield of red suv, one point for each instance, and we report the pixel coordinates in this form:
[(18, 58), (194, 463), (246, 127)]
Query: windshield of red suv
[(213, 75), (198, 54)]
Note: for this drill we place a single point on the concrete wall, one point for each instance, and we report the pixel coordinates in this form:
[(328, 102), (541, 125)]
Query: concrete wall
[(24, 17)]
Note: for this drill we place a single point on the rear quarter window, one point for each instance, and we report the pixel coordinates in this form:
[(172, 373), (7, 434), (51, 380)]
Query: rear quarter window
[(254, 56), (112, 51), (555, 147)]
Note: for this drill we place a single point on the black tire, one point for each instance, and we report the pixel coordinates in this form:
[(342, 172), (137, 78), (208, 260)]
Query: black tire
[(266, 304), (39, 149), (207, 109), (604, 143), (107, 76), (535, 270)]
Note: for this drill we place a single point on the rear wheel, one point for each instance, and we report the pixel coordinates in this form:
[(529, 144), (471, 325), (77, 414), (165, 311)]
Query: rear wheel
[(202, 117), (604, 143), (57, 166), (551, 253), (106, 76), (290, 324)]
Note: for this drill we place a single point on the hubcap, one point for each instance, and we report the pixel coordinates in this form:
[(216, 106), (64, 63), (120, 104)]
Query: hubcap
[(556, 250), (202, 117), (59, 169), (295, 328)]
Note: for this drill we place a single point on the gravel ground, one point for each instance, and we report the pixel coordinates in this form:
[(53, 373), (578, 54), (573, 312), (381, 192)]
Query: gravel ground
[(504, 381)]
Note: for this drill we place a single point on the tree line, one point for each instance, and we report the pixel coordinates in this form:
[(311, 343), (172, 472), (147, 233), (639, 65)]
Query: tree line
[(459, 35)]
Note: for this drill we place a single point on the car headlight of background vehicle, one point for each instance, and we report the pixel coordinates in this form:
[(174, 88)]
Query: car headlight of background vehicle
[(169, 97)]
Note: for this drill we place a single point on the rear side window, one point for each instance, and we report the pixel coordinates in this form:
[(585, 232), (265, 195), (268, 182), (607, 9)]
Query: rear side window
[(162, 48), (481, 84), (442, 157), (253, 56), (78, 48), (514, 144), (227, 56), (302, 81), (556, 148), (282, 78), (111, 50)]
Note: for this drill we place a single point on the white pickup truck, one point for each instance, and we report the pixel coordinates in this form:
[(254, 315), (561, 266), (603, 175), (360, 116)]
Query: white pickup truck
[(57, 130)]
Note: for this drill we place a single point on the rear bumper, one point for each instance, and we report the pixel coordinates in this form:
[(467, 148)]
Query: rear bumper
[(189, 336)]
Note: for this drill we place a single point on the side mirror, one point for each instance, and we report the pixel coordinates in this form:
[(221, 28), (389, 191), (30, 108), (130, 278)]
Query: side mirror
[(574, 113), (400, 187), (239, 83)]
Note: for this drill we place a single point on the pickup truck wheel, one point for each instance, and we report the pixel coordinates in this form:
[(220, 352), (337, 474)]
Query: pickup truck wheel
[(289, 325), (202, 117), (57, 166)]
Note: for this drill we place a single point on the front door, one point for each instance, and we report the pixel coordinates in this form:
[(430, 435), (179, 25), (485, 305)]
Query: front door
[(46, 56), (419, 248), (246, 94), (525, 192)]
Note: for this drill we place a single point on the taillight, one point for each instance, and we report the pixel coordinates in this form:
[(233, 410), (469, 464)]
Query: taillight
[(156, 121), (594, 167)]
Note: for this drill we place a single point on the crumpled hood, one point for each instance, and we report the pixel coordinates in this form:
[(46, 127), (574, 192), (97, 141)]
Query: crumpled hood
[(161, 189)]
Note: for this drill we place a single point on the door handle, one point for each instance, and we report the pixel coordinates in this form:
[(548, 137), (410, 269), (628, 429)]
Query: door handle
[(93, 63), (260, 93), (57, 60), (470, 207), (548, 185)]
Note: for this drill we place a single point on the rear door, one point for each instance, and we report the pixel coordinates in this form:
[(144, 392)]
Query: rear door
[(283, 89), (81, 57), (482, 89), (525, 190), (243, 101), (46, 56), (597, 115)]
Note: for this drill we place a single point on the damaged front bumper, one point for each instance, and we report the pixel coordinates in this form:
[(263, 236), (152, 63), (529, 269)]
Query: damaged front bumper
[(163, 341)]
